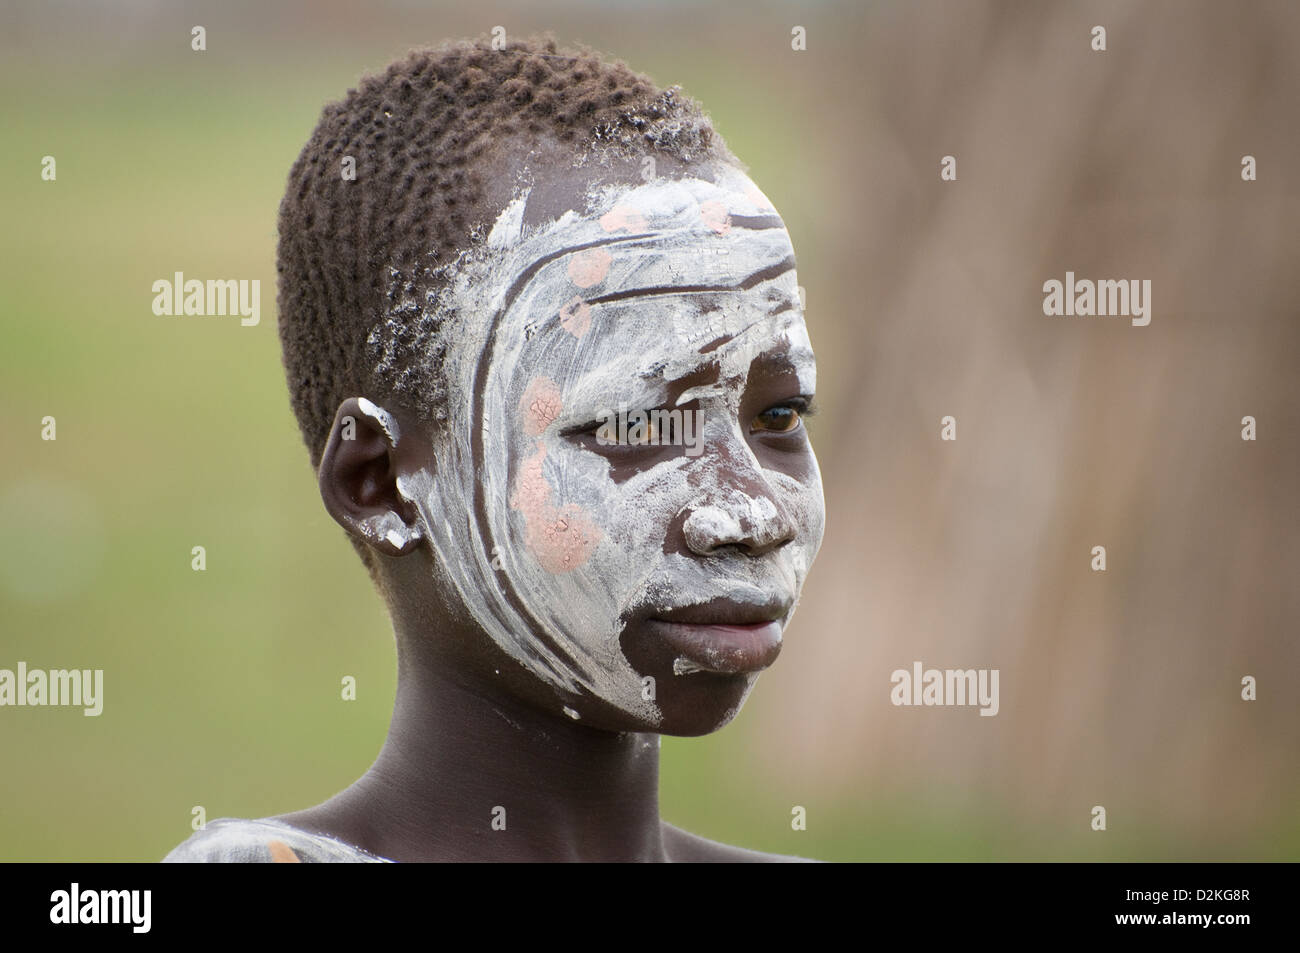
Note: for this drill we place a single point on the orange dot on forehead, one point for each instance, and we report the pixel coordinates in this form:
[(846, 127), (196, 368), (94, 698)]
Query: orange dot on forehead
[(622, 218), (575, 316), (589, 267), (715, 215)]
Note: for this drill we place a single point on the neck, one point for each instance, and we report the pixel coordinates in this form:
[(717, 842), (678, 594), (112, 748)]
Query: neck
[(467, 773)]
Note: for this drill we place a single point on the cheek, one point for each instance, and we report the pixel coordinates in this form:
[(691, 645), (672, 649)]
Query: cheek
[(802, 499), (628, 514), (560, 535), (586, 531)]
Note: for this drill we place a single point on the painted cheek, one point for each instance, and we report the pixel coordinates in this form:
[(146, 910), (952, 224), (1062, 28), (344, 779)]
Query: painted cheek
[(561, 538), (814, 521), (802, 499), (540, 405)]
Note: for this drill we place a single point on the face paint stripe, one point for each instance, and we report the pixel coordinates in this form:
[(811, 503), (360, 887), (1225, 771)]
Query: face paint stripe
[(756, 222), (758, 277), (481, 374), (767, 274), (641, 240), (657, 292)]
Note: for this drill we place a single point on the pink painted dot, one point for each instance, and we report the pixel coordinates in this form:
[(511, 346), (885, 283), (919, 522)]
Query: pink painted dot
[(589, 267), (715, 215), (575, 316), (622, 218)]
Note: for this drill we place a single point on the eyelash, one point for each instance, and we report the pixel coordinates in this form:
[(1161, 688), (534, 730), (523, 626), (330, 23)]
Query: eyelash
[(804, 406)]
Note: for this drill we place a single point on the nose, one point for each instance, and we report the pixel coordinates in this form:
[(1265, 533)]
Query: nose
[(742, 512)]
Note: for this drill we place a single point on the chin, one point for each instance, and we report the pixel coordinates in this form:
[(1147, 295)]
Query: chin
[(702, 702), (687, 706), (694, 703)]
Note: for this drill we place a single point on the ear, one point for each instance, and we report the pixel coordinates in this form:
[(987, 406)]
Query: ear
[(358, 479)]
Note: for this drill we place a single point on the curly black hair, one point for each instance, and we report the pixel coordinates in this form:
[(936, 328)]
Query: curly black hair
[(362, 260)]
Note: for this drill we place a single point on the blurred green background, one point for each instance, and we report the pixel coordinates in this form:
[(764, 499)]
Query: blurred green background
[(222, 687)]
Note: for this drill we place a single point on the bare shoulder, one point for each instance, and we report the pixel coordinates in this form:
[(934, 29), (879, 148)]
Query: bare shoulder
[(685, 847)]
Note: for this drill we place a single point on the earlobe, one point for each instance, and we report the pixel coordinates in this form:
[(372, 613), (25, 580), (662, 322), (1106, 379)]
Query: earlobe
[(358, 479)]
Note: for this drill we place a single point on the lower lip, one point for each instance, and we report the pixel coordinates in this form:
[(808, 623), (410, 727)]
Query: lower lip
[(722, 649)]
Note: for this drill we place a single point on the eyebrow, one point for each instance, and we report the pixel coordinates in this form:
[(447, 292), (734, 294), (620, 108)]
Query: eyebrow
[(779, 306), (778, 360), (785, 360)]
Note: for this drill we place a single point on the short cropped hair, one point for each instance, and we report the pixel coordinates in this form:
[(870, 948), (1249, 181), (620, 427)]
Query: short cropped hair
[(362, 261)]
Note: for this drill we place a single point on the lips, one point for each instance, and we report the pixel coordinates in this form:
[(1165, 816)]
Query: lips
[(722, 637)]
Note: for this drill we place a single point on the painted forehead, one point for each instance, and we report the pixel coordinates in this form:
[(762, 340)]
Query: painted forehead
[(646, 372), (651, 280), (671, 334)]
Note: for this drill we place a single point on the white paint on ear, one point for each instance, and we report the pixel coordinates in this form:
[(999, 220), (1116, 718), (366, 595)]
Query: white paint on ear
[(413, 490), (381, 417), (391, 528)]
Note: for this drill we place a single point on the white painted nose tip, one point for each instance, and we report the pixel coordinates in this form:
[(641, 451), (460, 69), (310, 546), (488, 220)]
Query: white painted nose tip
[(758, 526)]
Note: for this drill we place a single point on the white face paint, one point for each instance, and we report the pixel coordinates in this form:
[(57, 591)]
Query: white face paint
[(548, 543)]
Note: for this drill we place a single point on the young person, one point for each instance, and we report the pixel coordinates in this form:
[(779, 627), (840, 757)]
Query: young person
[(544, 340)]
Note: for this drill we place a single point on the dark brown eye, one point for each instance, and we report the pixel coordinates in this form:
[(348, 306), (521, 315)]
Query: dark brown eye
[(777, 420)]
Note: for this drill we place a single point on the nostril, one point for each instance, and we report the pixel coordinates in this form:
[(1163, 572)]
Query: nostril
[(709, 527), (754, 525), (779, 539), (767, 542)]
